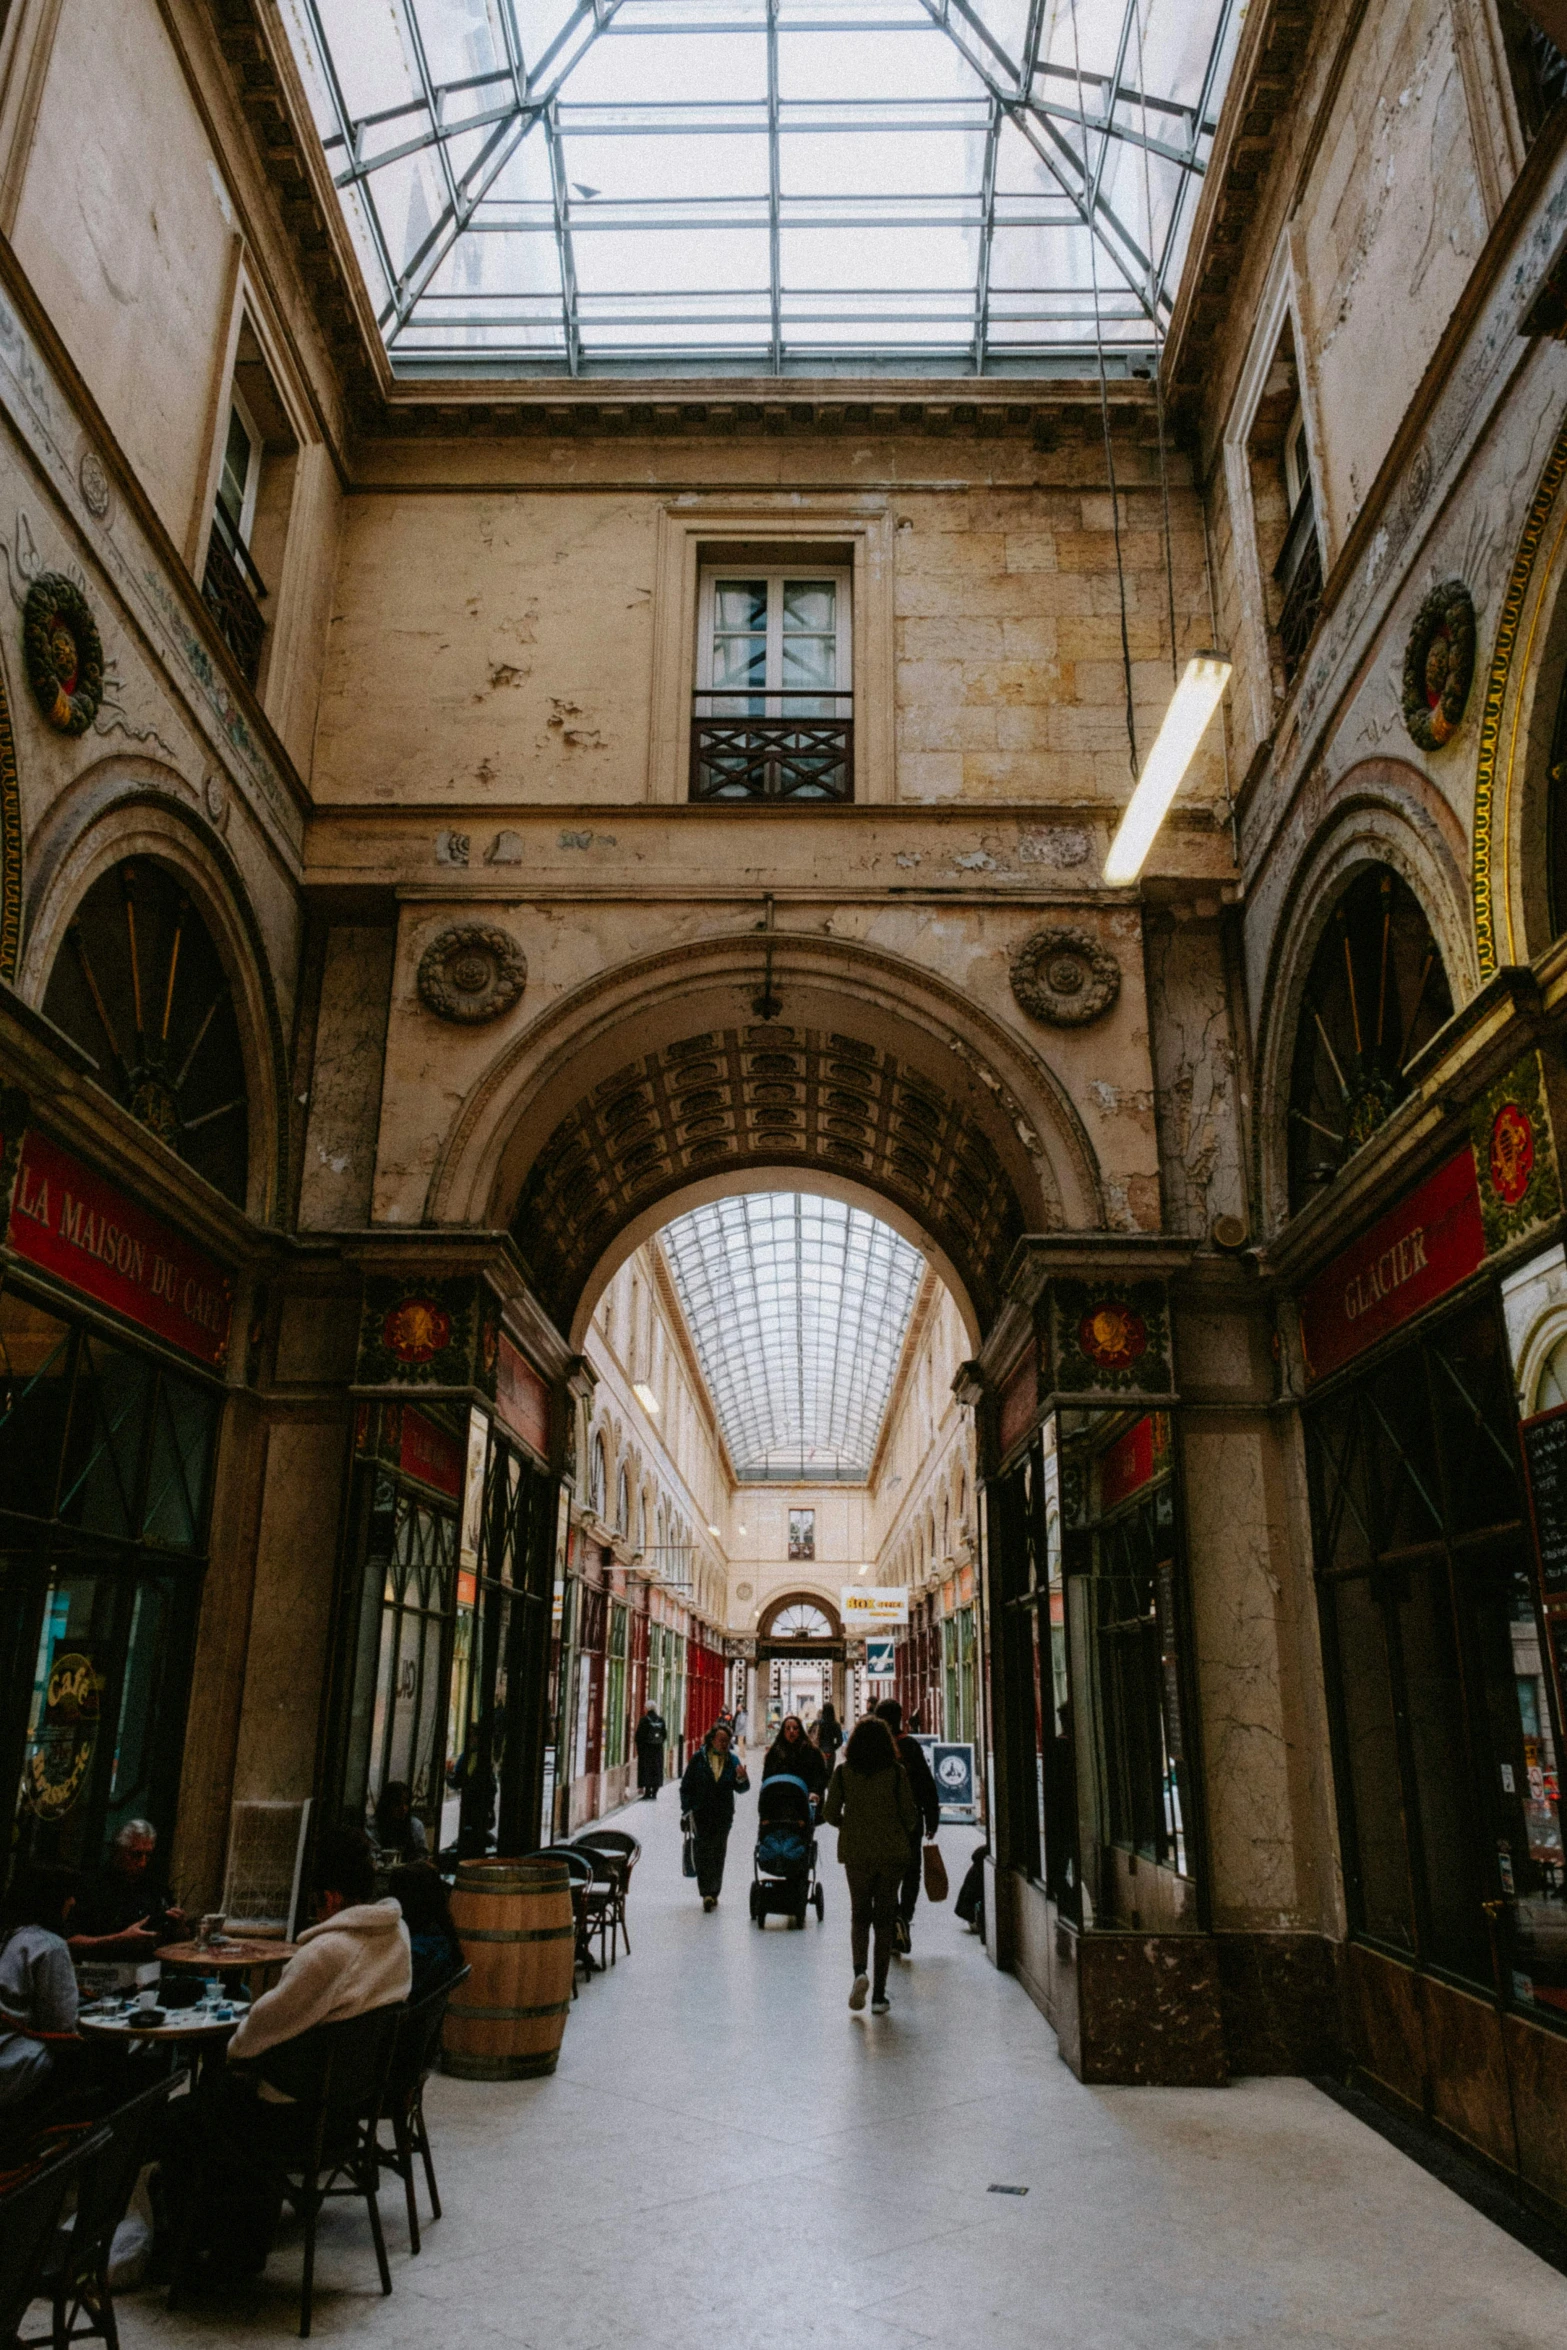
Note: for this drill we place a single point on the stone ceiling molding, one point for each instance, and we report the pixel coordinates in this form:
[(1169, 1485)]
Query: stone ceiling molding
[(1064, 978), (472, 972)]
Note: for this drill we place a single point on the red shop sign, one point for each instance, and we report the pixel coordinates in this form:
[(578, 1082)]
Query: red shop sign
[(428, 1453), (72, 1223), (522, 1401), (1132, 1461), (1019, 1402), (1410, 1257)]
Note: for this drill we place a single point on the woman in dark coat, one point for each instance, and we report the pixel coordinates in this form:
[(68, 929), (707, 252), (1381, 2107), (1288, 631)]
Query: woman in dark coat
[(872, 1806), (829, 1734), (714, 1777), (651, 1738), (792, 1751)]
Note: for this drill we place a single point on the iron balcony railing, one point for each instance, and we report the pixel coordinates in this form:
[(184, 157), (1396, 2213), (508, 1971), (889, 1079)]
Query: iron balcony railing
[(767, 753), (234, 592), (1298, 572)]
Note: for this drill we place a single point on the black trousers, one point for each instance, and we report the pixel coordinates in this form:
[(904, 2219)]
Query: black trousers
[(711, 1846), (873, 1904), (909, 1889)]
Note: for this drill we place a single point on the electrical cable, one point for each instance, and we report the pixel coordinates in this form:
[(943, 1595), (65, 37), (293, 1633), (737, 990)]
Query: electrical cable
[(1104, 404)]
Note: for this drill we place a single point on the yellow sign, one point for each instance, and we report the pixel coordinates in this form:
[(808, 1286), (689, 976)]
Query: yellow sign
[(868, 1607)]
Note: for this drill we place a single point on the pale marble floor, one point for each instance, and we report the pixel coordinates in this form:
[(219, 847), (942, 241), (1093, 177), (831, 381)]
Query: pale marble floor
[(727, 2156)]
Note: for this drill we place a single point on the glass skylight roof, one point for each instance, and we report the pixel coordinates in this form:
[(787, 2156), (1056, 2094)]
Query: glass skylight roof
[(766, 186), (798, 1307)]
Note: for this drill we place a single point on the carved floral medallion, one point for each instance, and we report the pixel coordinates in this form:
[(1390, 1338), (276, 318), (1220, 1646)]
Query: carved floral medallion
[(471, 973), (1065, 978)]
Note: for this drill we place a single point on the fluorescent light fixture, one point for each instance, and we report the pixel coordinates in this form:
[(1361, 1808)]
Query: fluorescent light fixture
[(645, 1397), (718, 1530), (1175, 746), (865, 1570), (742, 1529)]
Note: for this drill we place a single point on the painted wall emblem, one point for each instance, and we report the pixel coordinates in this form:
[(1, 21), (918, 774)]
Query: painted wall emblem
[(417, 1330), (1511, 1153), (63, 653), (1113, 1337), (471, 973), (1439, 665), (1064, 978)]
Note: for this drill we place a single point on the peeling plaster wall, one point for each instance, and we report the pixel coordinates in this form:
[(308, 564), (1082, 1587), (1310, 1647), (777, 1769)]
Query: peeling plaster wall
[(1198, 1085), (345, 1091)]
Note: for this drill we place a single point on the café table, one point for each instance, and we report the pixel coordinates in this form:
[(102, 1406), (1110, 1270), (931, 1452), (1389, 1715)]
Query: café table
[(255, 1957), (189, 2033)]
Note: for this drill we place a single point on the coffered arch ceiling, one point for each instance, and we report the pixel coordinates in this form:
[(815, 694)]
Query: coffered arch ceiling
[(782, 1102)]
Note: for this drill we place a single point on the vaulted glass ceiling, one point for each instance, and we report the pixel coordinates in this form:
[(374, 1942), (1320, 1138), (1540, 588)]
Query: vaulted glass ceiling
[(785, 187), (799, 1307)]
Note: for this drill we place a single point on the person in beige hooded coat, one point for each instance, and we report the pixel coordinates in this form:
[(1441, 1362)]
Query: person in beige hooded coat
[(225, 2145)]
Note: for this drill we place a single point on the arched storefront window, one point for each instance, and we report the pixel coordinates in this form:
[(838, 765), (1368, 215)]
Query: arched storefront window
[(139, 985), (1551, 1390), (1376, 994)]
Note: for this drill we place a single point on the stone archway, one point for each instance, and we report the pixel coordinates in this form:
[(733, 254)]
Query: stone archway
[(802, 1597)]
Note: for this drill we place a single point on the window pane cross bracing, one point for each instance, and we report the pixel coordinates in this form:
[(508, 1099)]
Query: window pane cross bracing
[(766, 186)]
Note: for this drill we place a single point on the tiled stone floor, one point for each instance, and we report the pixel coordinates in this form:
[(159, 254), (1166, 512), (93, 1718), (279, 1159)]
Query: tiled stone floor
[(726, 2156)]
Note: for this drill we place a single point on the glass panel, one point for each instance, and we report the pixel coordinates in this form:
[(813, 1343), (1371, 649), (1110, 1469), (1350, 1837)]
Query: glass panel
[(1523, 1771), (1449, 1846), (108, 1424), (739, 646), (1472, 1388), (183, 1427), (1371, 1761), (35, 1395)]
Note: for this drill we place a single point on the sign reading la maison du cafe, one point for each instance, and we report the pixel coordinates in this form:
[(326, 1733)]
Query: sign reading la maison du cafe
[(75, 1224), (1498, 1187), (871, 1607)]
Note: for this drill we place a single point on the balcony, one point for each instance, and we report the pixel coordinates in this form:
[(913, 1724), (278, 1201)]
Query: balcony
[(235, 591), (768, 754), (1298, 572)]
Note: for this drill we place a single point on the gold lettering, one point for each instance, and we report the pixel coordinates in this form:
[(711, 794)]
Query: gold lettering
[(71, 1222)]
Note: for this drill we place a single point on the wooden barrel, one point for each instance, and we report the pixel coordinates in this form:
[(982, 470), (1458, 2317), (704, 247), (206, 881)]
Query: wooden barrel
[(518, 1931)]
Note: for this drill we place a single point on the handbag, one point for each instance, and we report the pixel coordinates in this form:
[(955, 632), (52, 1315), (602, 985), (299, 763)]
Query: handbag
[(935, 1874), (687, 1846)]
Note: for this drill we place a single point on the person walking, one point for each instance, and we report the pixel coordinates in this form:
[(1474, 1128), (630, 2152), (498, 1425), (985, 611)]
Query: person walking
[(652, 1736), (829, 1734), (872, 1806), (792, 1751), (912, 1756), (714, 1777)]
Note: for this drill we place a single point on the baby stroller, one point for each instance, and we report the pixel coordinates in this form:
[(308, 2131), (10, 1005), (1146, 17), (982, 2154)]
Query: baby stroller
[(784, 1873)]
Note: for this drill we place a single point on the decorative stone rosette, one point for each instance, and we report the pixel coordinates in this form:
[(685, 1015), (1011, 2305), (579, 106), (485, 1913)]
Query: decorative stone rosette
[(1439, 665), (471, 973), (1065, 978), (63, 653)]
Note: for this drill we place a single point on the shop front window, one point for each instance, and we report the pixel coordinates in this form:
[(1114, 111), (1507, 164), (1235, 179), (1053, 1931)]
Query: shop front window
[(105, 1464), (1445, 1710), (615, 1697)]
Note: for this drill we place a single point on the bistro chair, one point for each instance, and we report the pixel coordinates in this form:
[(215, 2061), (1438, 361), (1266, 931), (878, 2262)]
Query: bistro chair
[(31, 2201), (75, 2275), (413, 2060), (580, 1868), (342, 2070), (619, 1846), (605, 1898)]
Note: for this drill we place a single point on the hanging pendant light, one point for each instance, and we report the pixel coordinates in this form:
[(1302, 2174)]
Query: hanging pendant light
[(1192, 705)]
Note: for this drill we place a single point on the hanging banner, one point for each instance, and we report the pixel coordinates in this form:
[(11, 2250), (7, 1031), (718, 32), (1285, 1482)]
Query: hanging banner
[(70, 1222), (522, 1399), (867, 1607), (881, 1657)]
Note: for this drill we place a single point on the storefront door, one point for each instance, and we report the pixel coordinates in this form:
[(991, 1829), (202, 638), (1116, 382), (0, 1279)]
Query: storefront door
[(1447, 1742)]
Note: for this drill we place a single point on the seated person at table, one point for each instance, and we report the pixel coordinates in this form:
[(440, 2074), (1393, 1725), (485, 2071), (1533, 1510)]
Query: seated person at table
[(120, 1912), (37, 1987), (437, 1953), (398, 1827), (225, 2144)]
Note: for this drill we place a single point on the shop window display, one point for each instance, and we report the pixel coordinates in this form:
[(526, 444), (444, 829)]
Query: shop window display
[(1446, 1723)]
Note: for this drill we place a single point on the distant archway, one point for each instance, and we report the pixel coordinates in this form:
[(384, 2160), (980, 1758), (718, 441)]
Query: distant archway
[(776, 1627)]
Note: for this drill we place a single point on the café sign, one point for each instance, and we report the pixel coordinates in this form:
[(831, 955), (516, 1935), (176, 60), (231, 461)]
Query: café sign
[(70, 1222), (1409, 1258)]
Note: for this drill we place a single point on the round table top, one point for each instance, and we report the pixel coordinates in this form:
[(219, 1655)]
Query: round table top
[(190, 2025), (226, 1955)]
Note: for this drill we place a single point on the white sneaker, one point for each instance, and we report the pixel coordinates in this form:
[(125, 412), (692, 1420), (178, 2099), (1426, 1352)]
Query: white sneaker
[(857, 1996), (881, 2006)]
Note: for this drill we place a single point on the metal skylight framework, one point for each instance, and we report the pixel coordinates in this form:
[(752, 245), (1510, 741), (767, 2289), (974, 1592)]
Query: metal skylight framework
[(799, 1307), (763, 187)]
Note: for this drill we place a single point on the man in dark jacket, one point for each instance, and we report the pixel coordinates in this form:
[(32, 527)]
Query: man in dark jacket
[(714, 1777), (912, 1756)]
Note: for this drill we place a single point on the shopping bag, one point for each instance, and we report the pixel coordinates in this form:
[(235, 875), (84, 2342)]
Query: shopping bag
[(935, 1874), (687, 1846)]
